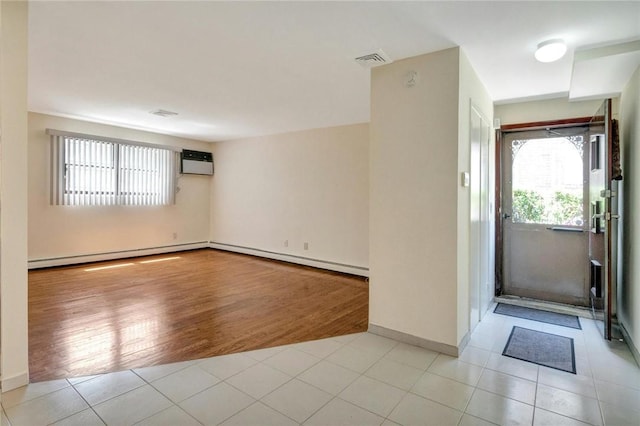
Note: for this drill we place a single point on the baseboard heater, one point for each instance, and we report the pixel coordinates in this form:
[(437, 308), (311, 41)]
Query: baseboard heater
[(291, 258), (113, 255)]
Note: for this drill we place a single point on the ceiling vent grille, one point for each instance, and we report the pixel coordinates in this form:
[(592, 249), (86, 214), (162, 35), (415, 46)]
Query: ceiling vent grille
[(374, 59), (163, 113)]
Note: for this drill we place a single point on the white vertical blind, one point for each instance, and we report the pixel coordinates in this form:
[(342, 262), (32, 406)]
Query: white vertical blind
[(105, 172)]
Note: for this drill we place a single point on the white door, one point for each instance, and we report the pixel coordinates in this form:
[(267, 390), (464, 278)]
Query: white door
[(480, 283)]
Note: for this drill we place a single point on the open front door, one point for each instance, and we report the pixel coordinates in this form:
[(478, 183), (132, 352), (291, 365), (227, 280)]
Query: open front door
[(603, 200)]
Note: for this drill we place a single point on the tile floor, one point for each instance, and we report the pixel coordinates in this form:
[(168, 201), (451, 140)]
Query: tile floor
[(359, 379)]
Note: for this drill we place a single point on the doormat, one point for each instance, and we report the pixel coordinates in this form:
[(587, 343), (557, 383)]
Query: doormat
[(563, 320), (541, 348)]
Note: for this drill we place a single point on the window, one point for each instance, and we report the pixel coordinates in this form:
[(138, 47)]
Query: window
[(94, 171)]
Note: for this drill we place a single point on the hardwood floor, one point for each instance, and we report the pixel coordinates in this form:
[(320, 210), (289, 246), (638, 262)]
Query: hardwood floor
[(181, 306)]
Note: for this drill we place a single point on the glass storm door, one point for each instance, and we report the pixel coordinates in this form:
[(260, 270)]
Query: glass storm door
[(545, 195)]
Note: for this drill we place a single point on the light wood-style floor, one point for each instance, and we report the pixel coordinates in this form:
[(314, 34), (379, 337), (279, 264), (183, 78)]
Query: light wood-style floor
[(181, 306)]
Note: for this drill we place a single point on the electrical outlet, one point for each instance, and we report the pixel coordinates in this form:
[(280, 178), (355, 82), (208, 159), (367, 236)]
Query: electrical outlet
[(286, 243), (306, 246), (175, 235)]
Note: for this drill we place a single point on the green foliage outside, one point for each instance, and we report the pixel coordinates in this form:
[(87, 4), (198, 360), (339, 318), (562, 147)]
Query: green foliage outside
[(528, 206), (531, 207)]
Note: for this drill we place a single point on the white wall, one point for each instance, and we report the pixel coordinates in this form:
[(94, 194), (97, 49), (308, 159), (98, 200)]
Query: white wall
[(471, 91), (552, 109), (414, 197), (629, 292), (62, 231), (13, 194), (309, 186)]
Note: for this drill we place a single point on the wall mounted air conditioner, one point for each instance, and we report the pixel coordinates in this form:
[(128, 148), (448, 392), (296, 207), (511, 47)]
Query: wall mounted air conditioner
[(196, 162)]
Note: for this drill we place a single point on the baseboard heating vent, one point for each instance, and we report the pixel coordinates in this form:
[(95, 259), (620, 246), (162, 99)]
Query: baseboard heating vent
[(196, 162)]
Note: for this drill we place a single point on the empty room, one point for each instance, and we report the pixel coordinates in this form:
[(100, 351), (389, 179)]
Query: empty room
[(319, 213)]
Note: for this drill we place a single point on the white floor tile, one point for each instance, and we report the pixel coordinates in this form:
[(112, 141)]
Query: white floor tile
[(443, 390), (413, 356), (4, 421), (319, 348), (468, 420), (373, 343), (342, 413), (615, 368), (372, 395), (31, 391), (47, 409), (512, 366), (476, 356), (292, 361), (225, 366), (388, 422), (509, 386), (76, 380), (615, 415), (107, 386), (547, 418), (483, 339), (354, 358), (132, 407), (498, 409), (172, 416), (84, 418), (156, 372), (569, 404), (618, 395), (455, 369), (297, 400), (394, 373), (262, 354), (259, 380), (329, 377), (259, 414), (347, 338), (582, 385), (216, 404), (415, 410), (182, 384)]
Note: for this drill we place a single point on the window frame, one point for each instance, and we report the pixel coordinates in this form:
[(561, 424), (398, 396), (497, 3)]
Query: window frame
[(142, 160)]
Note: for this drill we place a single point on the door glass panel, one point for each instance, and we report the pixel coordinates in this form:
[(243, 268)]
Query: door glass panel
[(547, 185)]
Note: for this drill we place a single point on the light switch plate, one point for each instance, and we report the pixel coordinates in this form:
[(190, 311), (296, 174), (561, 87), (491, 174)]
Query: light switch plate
[(464, 179)]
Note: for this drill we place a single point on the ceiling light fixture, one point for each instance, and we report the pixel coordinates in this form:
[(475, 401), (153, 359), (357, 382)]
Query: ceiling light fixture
[(551, 50)]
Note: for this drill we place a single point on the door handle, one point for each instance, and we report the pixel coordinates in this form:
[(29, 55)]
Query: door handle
[(565, 229), (506, 215)]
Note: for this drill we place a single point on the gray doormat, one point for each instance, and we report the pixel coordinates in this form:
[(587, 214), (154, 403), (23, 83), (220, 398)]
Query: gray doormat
[(563, 320), (541, 348)]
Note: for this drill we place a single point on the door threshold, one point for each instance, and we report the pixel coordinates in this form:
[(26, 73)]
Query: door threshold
[(560, 308)]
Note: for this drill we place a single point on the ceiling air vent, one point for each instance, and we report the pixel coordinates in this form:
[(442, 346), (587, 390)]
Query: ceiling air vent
[(163, 113), (374, 59)]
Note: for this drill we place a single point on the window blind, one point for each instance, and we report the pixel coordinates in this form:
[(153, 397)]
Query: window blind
[(92, 171)]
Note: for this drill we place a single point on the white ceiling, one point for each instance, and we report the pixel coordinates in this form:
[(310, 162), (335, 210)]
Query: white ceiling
[(239, 69)]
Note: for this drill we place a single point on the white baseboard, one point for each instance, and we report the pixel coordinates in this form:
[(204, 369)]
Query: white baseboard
[(300, 260), (99, 257), (630, 343), (418, 341), (14, 382)]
